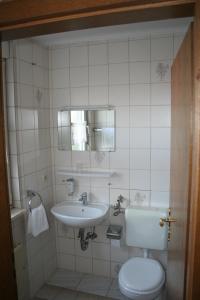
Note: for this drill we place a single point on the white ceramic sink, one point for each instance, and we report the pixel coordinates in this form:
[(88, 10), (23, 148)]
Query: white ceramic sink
[(78, 215)]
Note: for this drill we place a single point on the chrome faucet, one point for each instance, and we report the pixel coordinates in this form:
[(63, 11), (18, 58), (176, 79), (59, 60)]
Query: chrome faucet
[(117, 207), (84, 198)]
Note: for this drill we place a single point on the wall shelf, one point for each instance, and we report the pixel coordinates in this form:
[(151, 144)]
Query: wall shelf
[(103, 173)]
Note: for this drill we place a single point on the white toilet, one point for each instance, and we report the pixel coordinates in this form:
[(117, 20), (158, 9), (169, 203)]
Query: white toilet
[(143, 278)]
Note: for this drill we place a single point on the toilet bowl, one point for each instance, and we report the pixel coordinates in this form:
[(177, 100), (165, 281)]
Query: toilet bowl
[(141, 278)]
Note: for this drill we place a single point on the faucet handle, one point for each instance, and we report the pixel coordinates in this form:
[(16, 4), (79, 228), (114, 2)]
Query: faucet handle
[(84, 194), (120, 198)]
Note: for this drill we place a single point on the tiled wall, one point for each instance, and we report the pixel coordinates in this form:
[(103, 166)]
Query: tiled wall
[(133, 75), (30, 148)]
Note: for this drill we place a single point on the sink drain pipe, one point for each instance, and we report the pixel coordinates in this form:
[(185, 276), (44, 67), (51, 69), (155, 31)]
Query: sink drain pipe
[(84, 241)]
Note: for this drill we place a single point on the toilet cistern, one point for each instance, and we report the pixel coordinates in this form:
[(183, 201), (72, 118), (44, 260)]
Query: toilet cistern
[(84, 198), (143, 278)]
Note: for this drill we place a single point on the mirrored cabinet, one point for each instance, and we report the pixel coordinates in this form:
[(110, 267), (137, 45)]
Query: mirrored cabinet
[(86, 129)]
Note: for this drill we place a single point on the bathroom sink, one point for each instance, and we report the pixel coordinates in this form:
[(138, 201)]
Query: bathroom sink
[(79, 215)]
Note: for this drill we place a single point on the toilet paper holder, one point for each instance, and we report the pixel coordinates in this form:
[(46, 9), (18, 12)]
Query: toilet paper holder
[(114, 232)]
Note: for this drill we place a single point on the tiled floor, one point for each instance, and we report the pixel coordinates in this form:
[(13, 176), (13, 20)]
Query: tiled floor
[(68, 285)]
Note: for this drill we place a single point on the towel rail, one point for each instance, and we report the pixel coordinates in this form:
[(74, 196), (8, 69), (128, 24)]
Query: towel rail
[(31, 194)]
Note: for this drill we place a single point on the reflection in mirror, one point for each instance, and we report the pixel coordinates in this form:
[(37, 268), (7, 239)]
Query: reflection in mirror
[(86, 129)]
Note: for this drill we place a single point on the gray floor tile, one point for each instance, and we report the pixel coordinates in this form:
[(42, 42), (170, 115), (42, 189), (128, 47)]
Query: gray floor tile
[(116, 294), (114, 291), (67, 279), (67, 295), (95, 285), (85, 296), (48, 292)]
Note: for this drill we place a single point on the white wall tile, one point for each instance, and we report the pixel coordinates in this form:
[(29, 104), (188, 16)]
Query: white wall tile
[(28, 140), (119, 159), (160, 159), (26, 96), (15, 190), (160, 138), (160, 116), (38, 76), (119, 254), (80, 159), (59, 58), (118, 52), (99, 160), (140, 94), (98, 75), (98, 94), (60, 97), (65, 245), (79, 76), (25, 73), (78, 56), (11, 118), (28, 120), (140, 116), (29, 162), (160, 71), (120, 179), (161, 48), (140, 138), (79, 96), (99, 194), (83, 264), (122, 138), (140, 159), (60, 78), (119, 73), (140, 72), (10, 90), (101, 267), (24, 50), (66, 261), (161, 94), (140, 180), (98, 54), (119, 95), (101, 251), (140, 198), (160, 199), (160, 180), (12, 139), (14, 166), (139, 50), (122, 116)]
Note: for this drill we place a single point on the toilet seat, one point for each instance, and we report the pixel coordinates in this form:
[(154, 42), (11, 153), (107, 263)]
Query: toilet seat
[(141, 276)]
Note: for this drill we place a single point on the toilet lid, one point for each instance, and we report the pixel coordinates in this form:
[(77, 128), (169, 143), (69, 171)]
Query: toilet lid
[(141, 274)]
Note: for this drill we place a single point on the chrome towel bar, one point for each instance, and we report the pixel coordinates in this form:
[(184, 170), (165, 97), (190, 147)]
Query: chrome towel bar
[(31, 194)]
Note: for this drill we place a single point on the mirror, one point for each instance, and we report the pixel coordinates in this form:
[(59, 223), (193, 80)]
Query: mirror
[(86, 129)]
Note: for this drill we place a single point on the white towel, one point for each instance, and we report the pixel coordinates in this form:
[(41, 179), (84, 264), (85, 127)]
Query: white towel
[(37, 221)]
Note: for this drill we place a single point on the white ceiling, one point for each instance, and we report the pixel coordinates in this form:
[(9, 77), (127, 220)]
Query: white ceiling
[(112, 32)]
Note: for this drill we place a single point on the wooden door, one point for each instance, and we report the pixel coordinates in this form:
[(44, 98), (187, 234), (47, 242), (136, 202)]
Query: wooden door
[(181, 162), (8, 288)]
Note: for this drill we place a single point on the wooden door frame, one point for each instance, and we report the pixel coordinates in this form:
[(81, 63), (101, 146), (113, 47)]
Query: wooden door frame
[(28, 18)]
